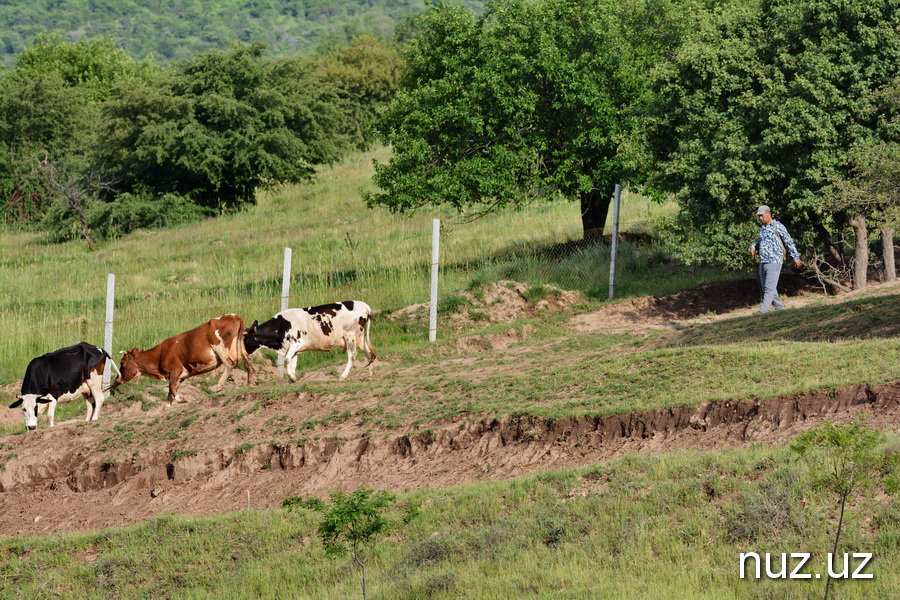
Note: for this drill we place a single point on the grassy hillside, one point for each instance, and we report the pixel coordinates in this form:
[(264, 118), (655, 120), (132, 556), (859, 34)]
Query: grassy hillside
[(53, 295), (663, 525)]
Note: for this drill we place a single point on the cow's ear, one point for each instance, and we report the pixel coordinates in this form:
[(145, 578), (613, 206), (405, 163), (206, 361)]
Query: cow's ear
[(44, 400), (16, 403)]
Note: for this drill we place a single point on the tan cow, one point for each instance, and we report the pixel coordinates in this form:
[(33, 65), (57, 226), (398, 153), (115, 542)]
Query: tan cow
[(200, 350)]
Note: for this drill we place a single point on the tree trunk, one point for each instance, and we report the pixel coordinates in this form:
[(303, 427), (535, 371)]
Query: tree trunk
[(887, 249), (594, 208), (860, 252), (85, 226)]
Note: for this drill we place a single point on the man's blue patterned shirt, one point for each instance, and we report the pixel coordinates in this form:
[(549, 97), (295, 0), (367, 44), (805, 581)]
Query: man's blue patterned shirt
[(768, 245)]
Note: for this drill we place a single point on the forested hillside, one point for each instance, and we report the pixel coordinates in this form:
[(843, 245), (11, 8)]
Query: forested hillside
[(180, 29)]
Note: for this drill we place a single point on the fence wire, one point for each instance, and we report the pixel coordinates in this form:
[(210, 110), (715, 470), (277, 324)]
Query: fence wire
[(573, 261)]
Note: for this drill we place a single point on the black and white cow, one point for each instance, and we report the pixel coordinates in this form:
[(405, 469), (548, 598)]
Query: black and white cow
[(342, 325), (61, 376)]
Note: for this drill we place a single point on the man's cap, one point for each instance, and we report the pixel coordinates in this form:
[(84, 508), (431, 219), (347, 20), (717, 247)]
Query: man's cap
[(762, 209)]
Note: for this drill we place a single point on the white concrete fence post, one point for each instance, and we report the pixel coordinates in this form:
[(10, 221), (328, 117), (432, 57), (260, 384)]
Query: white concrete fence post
[(108, 338), (435, 254), (285, 296), (615, 244)]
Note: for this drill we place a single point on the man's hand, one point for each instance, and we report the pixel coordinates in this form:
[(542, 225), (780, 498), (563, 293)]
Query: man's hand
[(798, 262), (753, 252)]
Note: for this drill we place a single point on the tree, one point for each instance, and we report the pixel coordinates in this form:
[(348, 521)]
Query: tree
[(843, 460), (763, 107), (352, 523), (50, 115), (75, 189), (40, 119), (872, 191), (222, 126), (365, 74), (531, 99), (94, 65)]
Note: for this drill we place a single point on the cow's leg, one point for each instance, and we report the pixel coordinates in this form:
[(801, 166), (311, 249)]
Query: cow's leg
[(226, 374), (290, 363), (90, 405), (174, 380), (96, 397), (350, 347), (246, 358), (225, 358), (51, 411)]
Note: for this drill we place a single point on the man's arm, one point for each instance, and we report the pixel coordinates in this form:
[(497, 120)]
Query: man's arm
[(788, 243), (754, 247)]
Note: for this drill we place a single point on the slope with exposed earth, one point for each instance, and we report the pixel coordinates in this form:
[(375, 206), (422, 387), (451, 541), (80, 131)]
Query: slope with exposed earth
[(220, 452)]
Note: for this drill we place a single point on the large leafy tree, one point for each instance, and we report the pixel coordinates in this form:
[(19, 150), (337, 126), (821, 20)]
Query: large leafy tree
[(871, 192), (532, 98), (50, 114), (224, 125), (764, 107)]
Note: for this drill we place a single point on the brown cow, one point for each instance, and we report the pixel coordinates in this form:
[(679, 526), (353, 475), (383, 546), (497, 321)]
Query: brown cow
[(200, 350)]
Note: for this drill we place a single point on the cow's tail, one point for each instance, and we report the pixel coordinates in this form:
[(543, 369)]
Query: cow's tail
[(243, 354), (368, 341), (115, 367)]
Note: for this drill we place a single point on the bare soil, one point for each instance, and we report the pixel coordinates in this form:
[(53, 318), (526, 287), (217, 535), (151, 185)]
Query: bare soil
[(216, 454)]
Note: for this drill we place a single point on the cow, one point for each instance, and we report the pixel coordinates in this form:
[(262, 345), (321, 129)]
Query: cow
[(343, 325), (61, 376), (201, 350)]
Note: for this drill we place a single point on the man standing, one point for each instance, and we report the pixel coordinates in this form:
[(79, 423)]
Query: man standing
[(773, 245)]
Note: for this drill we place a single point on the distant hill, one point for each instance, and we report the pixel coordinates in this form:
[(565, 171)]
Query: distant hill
[(175, 29)]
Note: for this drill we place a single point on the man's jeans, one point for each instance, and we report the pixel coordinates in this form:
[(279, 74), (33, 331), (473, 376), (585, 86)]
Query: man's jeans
[(768, 279)]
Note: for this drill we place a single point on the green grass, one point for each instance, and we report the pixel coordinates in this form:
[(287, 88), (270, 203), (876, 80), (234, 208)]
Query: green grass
[(558, 374), (168, 281), (866, 318), (666, 526)]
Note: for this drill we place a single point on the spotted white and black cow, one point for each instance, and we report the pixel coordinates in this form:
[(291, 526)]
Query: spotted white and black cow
[(342, 325), (61, 376)]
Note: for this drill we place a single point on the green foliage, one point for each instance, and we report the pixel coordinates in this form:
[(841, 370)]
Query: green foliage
[(531, 99), (40, 118), (226, 124), (352, 522), (142, 209), (872, 186), (173, 30), (50, 106), (842, 458), (365, 74), (763, 108), (94, 65)]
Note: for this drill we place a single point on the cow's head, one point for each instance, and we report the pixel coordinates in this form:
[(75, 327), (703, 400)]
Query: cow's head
[(251, 341), (128, 367), (29, 404)]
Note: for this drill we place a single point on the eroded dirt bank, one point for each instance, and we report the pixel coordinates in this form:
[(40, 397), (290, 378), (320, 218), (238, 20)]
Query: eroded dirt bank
[(79, 477)]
